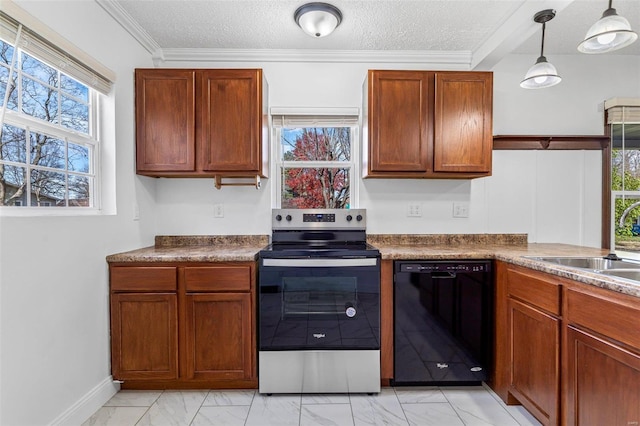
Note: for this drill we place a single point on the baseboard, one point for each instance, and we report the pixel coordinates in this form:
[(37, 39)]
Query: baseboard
[(86, 406)]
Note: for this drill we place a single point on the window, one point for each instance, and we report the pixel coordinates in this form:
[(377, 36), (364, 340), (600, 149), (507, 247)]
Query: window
[(624, 127), (49, 144), (315, 165)]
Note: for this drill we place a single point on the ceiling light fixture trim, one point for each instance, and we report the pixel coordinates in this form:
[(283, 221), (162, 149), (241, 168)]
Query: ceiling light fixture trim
[(318, 19), (542, 74), (609, 33)]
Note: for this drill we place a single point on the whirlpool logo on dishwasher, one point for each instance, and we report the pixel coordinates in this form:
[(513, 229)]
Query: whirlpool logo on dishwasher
[(319, 335)]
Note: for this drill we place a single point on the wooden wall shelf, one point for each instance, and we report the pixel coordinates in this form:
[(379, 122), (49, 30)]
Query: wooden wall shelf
[(550, 142)]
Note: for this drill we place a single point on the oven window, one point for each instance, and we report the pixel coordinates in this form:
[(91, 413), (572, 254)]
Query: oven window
[(319, 296)]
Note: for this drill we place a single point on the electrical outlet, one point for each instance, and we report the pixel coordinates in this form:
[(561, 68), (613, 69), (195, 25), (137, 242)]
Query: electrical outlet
[(460, 209), (414, 210), (218, 210)]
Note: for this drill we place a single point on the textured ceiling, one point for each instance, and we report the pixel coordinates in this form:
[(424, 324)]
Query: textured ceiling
[(477, 27)]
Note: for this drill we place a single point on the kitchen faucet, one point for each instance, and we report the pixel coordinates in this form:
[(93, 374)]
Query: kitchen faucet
[(626, 212)]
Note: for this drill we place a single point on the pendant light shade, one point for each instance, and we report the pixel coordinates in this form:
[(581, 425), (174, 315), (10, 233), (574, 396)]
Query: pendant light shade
[(542, 74), (318, 19), (611, 32)]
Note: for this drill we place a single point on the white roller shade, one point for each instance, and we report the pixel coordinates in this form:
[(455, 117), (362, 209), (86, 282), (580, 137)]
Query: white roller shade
[(623, 110), (36, 45), (318, 117)]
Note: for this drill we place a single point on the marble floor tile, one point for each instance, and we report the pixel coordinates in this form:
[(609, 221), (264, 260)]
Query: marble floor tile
[(415, 395), (325, 398), (477, 407), (133, 398), (432, 414), (281, 410), (326, 415), (174, 408), (116, 416), (229, 397), (381, 409), (229, 415)]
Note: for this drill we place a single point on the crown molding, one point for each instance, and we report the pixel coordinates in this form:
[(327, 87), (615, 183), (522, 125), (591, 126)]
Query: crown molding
[(457, 60), (123, 18)]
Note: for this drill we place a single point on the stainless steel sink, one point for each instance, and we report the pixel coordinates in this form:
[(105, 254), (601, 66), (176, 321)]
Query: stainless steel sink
[(591, 263), (630, 274)]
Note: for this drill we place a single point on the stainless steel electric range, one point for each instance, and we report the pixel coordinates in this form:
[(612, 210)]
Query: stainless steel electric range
[(319, 304)]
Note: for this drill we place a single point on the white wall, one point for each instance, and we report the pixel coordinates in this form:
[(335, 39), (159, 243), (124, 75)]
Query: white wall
[(551, 196), (54, 323), (54, 345)]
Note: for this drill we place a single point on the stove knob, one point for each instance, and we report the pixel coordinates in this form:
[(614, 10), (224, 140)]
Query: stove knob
[(278, 217), (349, 218), (288, 218), (359, 217)]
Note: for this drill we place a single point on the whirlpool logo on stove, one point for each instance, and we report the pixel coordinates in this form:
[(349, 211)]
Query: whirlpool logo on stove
[(319, 335)]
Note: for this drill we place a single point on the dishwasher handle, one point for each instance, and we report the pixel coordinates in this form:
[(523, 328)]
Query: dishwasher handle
[(443, 275)]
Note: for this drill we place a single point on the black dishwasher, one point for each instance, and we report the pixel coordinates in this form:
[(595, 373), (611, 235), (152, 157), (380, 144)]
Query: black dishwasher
[(443, 322)]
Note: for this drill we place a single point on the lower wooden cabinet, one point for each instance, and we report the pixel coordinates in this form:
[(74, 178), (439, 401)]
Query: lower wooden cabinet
[(533, 342), (535, 373), (144, 336), (183, 325), (218, 336), (569, 352), (602, 358), (604, 382)]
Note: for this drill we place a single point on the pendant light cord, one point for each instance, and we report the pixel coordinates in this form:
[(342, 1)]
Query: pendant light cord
[(542, 44)]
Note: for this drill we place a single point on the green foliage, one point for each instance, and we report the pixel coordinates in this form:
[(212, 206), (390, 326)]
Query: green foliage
[(631, 183)]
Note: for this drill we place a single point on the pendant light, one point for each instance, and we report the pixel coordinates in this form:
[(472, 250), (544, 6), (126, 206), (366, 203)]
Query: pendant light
[(611, 32), (542, 74), (318, 19)]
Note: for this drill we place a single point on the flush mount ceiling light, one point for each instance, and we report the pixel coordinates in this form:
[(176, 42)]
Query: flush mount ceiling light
[(611, 32), (542, 74), (318, 19)]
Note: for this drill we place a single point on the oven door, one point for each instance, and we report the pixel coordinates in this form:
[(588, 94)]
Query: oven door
[(319, 303)]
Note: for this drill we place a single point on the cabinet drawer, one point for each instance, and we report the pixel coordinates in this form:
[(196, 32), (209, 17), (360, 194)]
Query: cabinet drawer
[(534, 289), (611, 318), (143, 278), (218, 278)]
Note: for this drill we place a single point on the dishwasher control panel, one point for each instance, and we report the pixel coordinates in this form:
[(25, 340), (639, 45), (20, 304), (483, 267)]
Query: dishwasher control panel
[(426, 267)]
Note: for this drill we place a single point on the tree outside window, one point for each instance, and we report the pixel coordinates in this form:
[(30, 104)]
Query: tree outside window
[(315, 167), (46, 146)]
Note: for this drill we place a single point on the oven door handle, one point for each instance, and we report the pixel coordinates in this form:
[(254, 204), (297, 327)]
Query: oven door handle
[(320, 263)]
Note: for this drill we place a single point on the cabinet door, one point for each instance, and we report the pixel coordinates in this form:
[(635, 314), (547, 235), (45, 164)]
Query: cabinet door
[(144, 336), (603, 382), (230, 121), (534, 341), (463, 135), (400, 120), (219, 342), (165, 121)]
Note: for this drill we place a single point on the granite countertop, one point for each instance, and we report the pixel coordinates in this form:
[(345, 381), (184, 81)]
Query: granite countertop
[(511, 248), (196, 248)]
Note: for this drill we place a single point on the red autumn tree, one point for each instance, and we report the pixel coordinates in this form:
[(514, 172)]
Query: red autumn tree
[(320, 187)]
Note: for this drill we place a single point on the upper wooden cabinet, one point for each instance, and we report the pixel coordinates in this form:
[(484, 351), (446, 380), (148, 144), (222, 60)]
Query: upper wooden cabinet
[(200, 123), (425, 124)]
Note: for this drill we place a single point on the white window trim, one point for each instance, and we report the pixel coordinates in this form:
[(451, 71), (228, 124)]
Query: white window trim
[(318, 117)]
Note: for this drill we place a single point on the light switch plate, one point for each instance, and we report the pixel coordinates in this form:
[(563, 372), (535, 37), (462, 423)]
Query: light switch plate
[(460, 209)]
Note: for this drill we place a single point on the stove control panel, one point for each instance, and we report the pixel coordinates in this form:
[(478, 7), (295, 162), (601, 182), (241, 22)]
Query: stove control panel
[(333, 219)]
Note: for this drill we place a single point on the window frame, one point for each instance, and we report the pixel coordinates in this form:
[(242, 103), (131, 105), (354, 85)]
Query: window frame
[(310, 120), (32, 124)]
